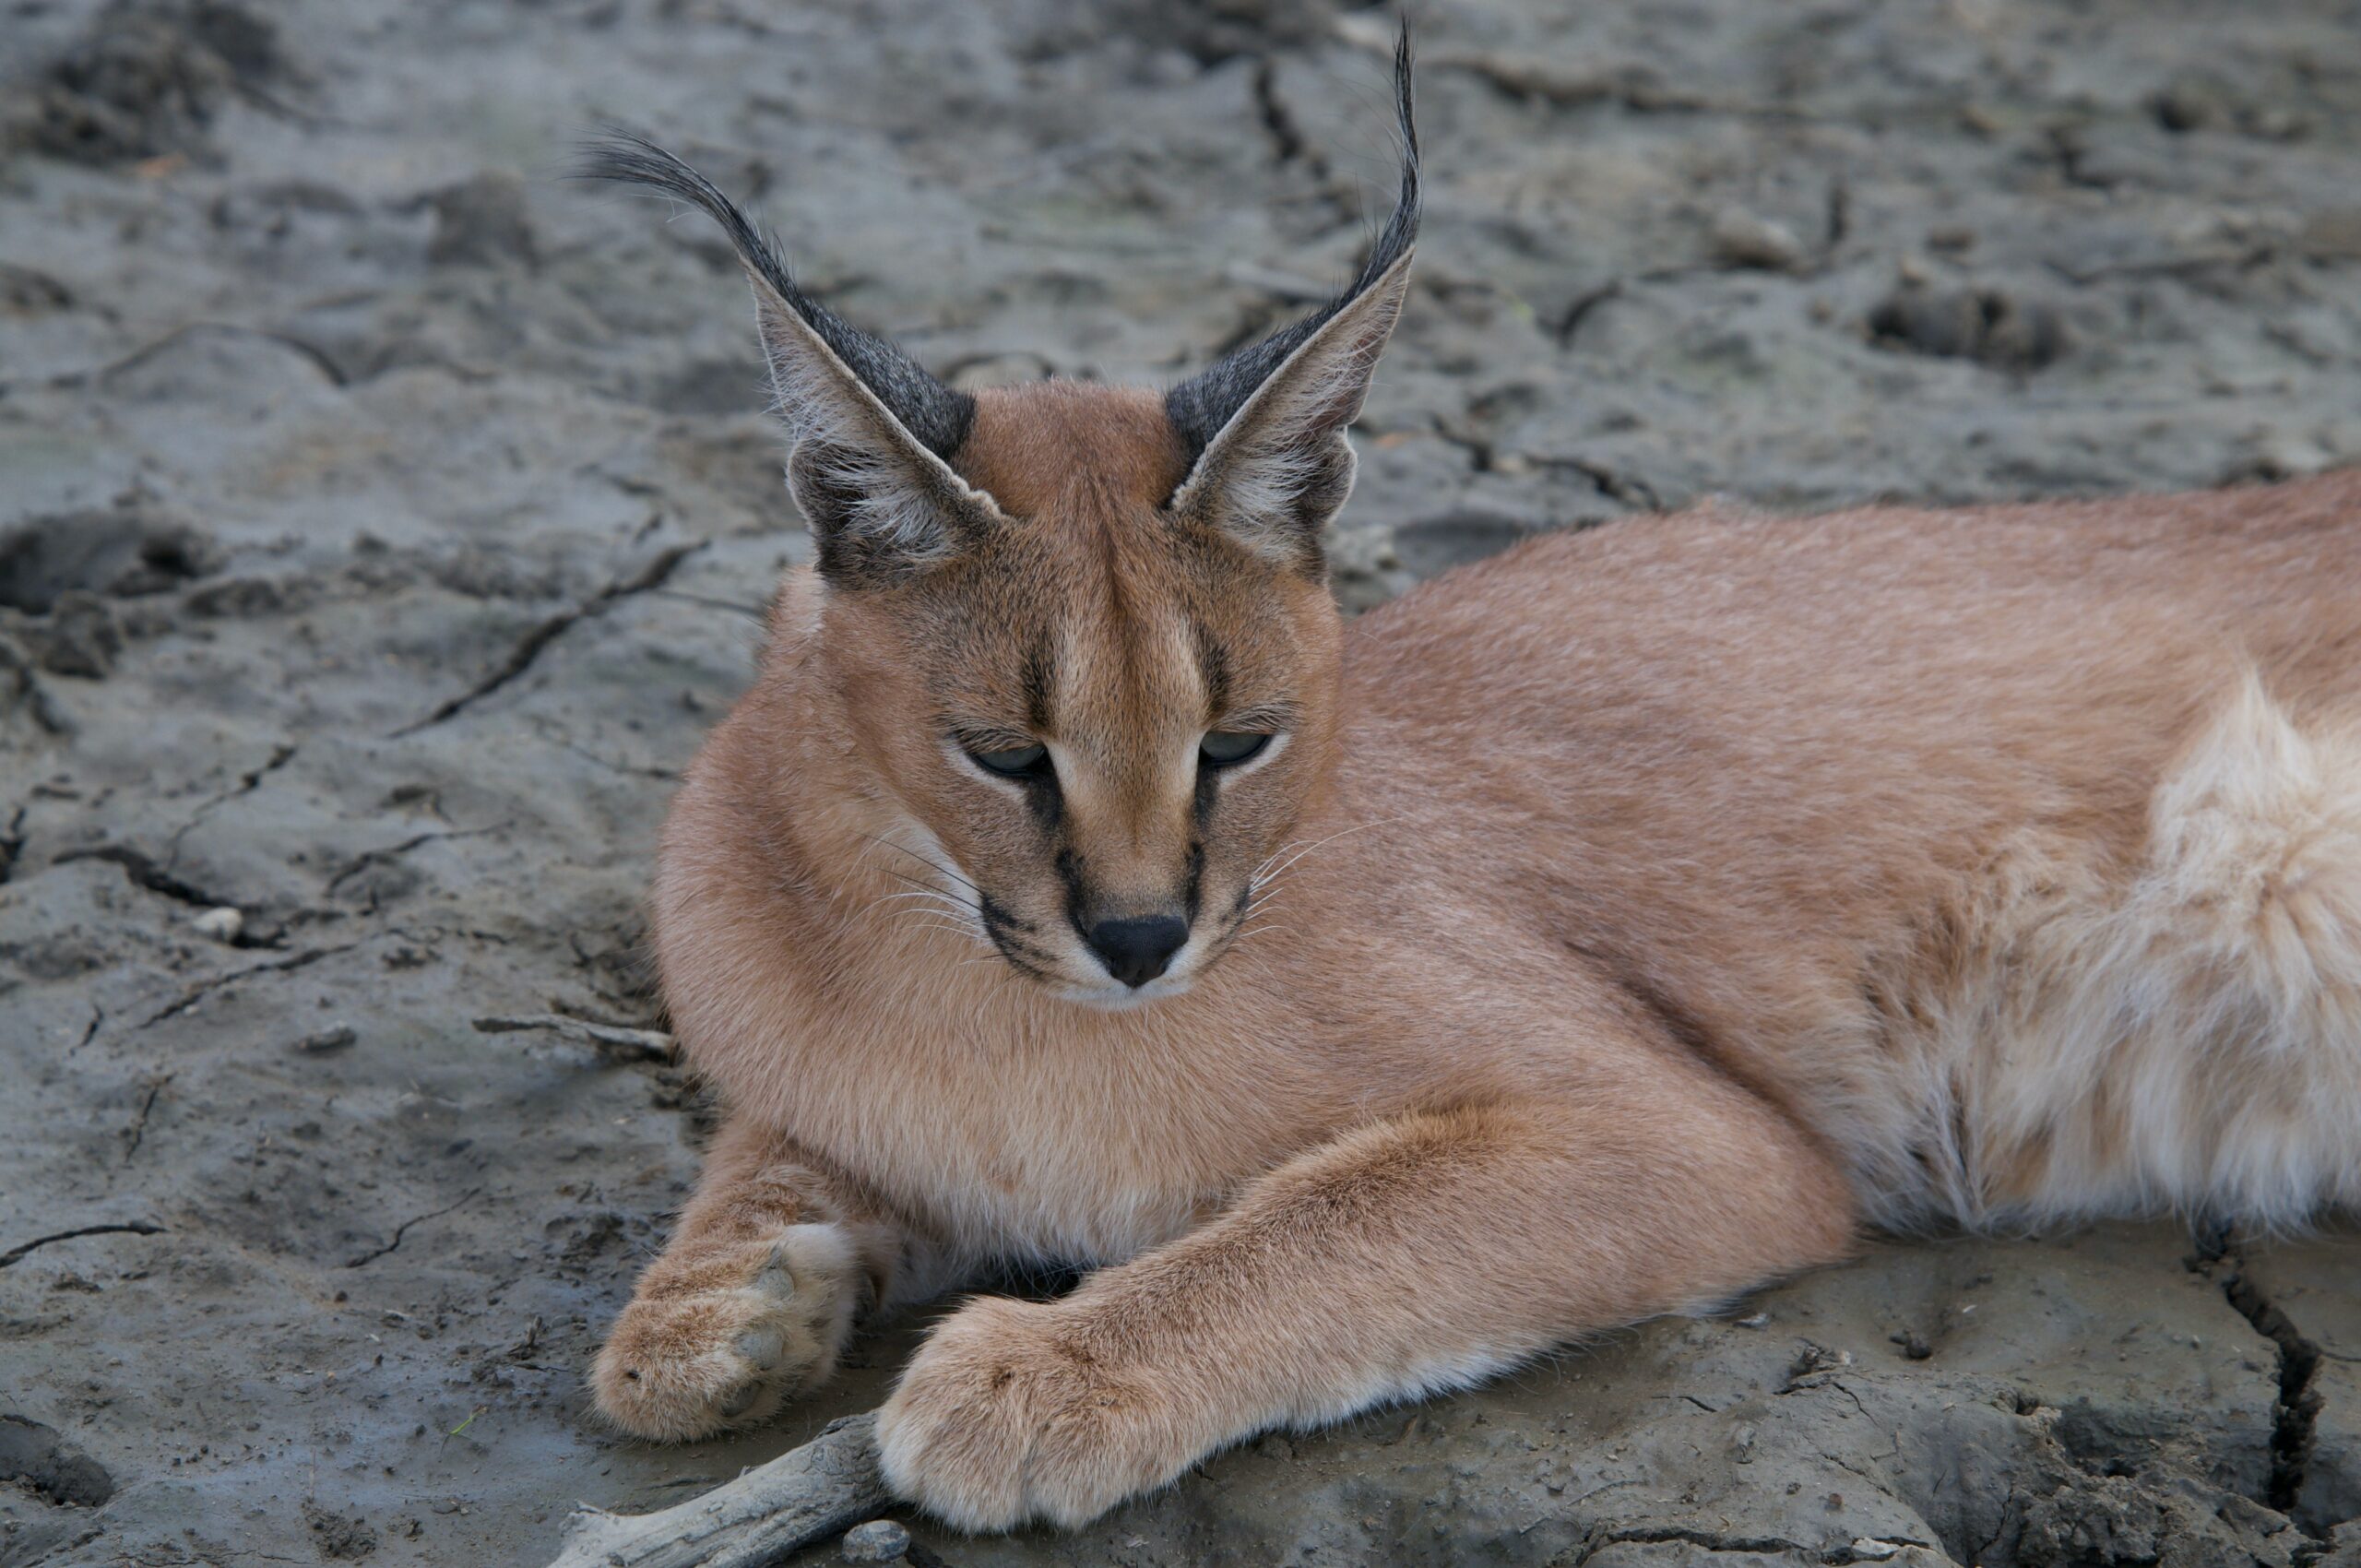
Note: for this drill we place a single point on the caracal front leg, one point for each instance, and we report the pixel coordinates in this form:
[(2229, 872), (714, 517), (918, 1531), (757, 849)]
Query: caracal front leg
[(751, 1300), (1407, 1257)]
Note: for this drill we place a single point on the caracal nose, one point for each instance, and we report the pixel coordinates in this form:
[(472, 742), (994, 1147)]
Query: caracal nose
[(1136, 951)]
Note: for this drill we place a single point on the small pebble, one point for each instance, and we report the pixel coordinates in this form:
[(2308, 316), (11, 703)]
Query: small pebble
[(223, 924), (336, 1036), (880, 1540), (1743, 240), (1760, 1320)]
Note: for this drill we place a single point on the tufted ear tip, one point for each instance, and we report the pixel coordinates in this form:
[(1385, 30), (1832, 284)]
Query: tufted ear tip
[(872, 432), (1274, 475), (1265, 427), (1202, 405)]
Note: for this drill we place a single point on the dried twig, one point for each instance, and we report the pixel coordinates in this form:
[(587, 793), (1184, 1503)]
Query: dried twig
[(805, 1495), (610, 1040)]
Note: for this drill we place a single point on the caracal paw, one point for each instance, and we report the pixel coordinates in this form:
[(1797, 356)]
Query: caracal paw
[(716, 1342), (1000, 1419)]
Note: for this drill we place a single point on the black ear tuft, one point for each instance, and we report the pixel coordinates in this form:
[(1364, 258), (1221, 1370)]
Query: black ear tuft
[(934, 413), (1201, 406)]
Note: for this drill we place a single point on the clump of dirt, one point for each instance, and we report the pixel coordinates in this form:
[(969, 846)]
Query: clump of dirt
[(340, 1539), (131, 549), (1989, 326), (37, 1458), (149, 78)]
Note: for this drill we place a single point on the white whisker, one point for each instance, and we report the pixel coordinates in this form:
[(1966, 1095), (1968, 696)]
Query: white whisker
[(1359, 827), (929, 864)]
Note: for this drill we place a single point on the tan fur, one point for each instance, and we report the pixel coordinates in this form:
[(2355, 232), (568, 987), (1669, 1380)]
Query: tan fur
[(1624, 919)]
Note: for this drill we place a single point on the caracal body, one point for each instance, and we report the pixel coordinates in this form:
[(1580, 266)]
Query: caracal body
[(1593, 932)]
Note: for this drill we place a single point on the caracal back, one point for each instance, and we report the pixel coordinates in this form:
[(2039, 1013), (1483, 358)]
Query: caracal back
[(2017, 850)]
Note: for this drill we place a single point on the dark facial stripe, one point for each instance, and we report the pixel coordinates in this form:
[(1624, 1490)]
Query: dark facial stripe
[(1046, 801), (1036, 685), (1070, 873), (998, 919), (1025, 956), (1193, 897), (1213, 660)]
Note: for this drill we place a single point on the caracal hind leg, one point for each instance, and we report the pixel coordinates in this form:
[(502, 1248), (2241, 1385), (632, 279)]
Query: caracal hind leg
[(1409, 1256), (751, 1300)]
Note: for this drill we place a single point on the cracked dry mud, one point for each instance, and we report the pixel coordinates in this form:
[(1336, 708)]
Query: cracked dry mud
[(382, 520)]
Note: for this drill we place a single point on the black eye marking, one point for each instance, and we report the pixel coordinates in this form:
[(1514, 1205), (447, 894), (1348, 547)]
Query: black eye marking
[(1228, 748), (1048, 804)]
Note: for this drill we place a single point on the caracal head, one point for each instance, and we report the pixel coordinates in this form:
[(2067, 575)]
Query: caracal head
[(1079, 639)]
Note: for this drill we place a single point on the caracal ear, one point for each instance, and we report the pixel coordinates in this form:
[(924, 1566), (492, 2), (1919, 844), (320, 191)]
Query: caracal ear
[(871, 431), (1268, 422)]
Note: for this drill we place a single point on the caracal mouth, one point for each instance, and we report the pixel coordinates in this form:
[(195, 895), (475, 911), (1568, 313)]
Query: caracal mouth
[(1113, 997)]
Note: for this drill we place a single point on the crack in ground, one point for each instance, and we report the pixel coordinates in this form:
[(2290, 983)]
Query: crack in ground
[(139, 1123), (100, 375), (628, 770), (1628, 489), (393, 852), (142, 870), (1480, 455), (203, 989), (403, 1229), (15, 1256), (1569, 320), (2298, 1409), (1287, 137), (1578, 310), (248, 782), (528, 648)]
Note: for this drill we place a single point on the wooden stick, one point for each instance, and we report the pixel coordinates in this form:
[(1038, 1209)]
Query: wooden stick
[(803, 1496), (652, 1045)]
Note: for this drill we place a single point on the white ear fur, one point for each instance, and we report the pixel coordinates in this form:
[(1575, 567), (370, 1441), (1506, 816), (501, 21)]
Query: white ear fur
[(1280, 468), (876, 497)]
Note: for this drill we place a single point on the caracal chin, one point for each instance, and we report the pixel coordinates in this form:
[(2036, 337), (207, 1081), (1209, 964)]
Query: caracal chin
[(1593, 932)]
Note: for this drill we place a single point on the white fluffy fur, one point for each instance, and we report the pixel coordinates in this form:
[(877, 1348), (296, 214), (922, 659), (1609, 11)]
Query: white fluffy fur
[(2183, 1038)]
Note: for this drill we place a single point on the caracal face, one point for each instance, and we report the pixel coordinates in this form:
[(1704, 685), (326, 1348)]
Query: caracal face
[(1078, 638), (1098, 726)]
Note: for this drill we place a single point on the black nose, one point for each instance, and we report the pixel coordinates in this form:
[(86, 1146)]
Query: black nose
[(1136, 951)]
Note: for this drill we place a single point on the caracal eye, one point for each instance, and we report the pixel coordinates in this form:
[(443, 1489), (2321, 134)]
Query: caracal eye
[(1228, 748), (1017, 762)]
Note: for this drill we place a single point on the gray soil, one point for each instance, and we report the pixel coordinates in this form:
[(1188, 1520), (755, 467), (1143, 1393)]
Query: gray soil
[(382, 520)]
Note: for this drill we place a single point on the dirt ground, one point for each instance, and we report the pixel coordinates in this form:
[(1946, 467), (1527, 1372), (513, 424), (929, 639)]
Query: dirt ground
[(382, 521)]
